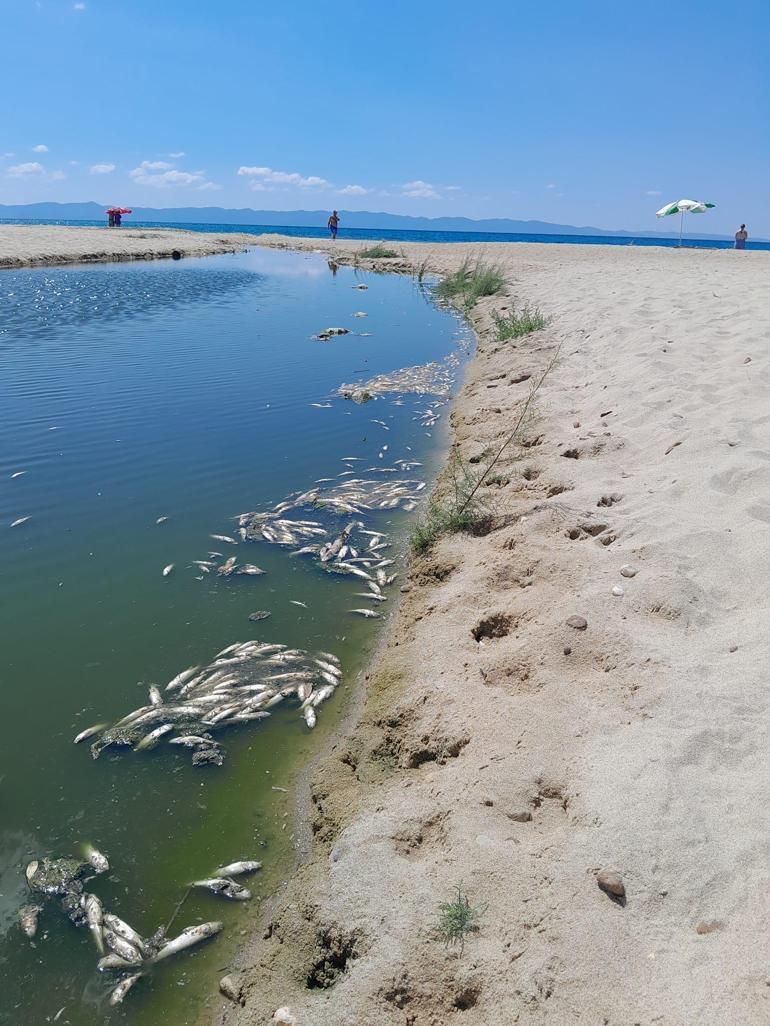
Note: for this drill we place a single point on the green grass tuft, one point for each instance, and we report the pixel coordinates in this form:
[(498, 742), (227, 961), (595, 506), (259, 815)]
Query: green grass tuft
[(457, 919), (518, 322), (473, 280), (454, 509), (377, 252)]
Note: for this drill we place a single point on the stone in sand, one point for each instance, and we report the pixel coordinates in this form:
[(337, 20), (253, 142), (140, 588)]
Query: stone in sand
[(579, 623), (628, 571), (520, 815), (611, 883), (231, 989)]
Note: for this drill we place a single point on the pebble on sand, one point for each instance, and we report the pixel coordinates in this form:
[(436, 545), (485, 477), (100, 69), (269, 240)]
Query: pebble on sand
[(230, 988), (520, 815), (578, 623), (628, 571), (283, 1017), (617, 591), (611, 883)]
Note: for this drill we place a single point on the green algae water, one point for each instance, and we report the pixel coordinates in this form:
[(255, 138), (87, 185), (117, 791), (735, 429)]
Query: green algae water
[(184, 390)]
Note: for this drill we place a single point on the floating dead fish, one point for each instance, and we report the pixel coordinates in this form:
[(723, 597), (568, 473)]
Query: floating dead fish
[(167, 569), (322, 406), (28, 917), (369, 613), (224, 538), (238, 868), (98, 862), (17, 473), (187, 938), (249, 569), (113, 961), (121, 929), (121, 947), (360, 313), (260, 614), (89, 732), (117, 995), (19, 521), (161, 520), (361, 287), (151, 740), (94, 916), (182, 678), (310, 716), (227, 567), (296, 602)]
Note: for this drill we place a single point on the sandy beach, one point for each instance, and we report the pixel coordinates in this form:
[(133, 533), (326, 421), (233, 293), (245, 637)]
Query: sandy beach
[(38, 245), (579, 690)]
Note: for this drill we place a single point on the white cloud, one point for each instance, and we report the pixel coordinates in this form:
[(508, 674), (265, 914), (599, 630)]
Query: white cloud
[(420, 189), (41, 148), (653, 192), (177, 156), (453, 188), (267, 176), (78, 7), (161, 175), (101, 169), (353, 190), (30, 168)]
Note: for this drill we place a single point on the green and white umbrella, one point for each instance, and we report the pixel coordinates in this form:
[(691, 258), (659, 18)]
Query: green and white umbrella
[(682, 207)]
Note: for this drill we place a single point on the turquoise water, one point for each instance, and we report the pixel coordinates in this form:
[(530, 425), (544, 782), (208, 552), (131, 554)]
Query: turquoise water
[(179, 390)]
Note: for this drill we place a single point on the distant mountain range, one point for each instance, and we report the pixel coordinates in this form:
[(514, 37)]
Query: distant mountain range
[(362, 219)]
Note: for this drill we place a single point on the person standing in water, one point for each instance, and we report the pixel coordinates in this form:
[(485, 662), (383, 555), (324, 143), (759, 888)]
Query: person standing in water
[(740, 237), (333, 224)]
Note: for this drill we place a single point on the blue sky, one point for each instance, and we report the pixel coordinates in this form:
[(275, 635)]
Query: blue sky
[(577, 112)]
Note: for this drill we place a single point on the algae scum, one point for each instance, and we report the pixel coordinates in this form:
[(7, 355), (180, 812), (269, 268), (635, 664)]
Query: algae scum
[(203, 527)]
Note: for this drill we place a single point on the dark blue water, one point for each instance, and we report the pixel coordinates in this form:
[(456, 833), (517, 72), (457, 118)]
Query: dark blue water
[(397, 235)]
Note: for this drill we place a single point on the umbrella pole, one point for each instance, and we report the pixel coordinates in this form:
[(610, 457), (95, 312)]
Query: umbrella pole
[(681, 225)]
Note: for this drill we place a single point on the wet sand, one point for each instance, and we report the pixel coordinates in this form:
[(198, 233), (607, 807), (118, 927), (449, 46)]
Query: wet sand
[(507, 745), (48, 245)]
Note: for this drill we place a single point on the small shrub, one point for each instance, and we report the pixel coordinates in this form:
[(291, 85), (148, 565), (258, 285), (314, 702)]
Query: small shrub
[(518, 322), (377, 252), (457, 918), (456, 508), (472, 280)]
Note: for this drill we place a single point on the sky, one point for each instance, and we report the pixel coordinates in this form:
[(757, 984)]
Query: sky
[(580, 112)]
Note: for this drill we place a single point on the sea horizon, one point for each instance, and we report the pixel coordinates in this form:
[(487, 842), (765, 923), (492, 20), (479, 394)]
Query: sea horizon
[(405, 235)]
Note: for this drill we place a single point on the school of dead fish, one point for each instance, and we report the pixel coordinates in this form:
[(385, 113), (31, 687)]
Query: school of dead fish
[(241, 685), (123, 950)]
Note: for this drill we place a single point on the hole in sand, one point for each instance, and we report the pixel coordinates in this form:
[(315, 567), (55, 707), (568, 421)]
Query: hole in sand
[(335, 949), (495, 626), (531, 473), (571, 454)]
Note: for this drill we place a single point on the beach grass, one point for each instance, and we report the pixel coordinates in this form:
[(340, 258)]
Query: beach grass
[(458, 918), (377, 252), (472, 280), (520, 321)]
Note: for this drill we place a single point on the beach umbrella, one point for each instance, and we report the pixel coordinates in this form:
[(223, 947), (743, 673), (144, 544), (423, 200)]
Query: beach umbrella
[(118, 210), (682, 207)]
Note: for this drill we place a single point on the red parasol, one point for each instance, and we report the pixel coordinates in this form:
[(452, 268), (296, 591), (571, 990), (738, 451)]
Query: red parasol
[(118, 210)]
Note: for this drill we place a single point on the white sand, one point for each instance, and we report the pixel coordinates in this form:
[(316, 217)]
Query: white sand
[(644, 750), (43, 245)]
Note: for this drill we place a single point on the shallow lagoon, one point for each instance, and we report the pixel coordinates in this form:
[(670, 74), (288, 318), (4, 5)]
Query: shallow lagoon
[(184, 390)]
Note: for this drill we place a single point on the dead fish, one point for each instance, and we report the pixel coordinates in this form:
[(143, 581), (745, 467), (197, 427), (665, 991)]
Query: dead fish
[(224, 538), (155, 696), (31, 869), (94, 916), (18, 473), (96, 860), (117, 995), (224, 888), (161, 520), (360, 313), (322, 406), (296, 602), (238, 868), (151, 739), (370, 613), (182, 678), (190, 740), (227, 567), (309, 715), (89, 732), (121, 947), (19, 521), (186, 939), (113, 961), (28, 915), (322, 694), (260, 614), (249, 568), (167, 569), (123, 930), (361, 287)]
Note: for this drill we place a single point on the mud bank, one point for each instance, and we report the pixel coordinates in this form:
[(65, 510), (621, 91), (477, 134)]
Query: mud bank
[(578, 690)]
